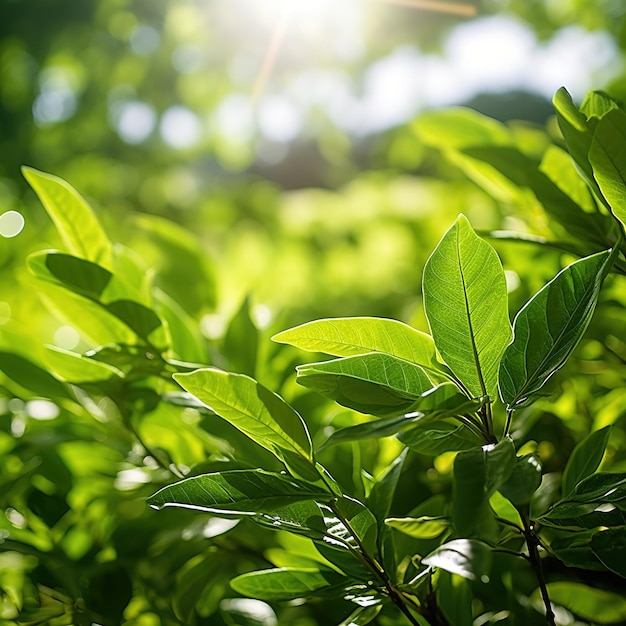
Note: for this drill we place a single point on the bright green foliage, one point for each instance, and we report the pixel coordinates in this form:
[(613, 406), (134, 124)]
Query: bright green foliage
[(466, 305), (548, 329), (435, 506)]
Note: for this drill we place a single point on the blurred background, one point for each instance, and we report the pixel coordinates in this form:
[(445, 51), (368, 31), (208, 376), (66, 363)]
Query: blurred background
[(281, 165)]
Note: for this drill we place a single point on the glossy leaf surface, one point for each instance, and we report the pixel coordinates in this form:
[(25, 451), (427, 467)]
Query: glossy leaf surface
[(468, 558), (465, 301), (596, 605), (585, 459), (548, 328)]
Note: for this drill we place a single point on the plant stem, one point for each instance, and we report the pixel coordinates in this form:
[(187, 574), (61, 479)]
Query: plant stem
[(532, 542)]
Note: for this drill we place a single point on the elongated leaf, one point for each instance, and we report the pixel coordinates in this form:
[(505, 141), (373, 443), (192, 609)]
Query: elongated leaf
[(362, 616), (600, 487), (31, 376), (243, 492), (608, 161), (574, 549), (256, 411), (383, 490), (78, 226), (477, 474), (351, 336), (466, 557), (378, 384), (288, 583), (139, 318), (465, 301), (425, 527), (241, 341), (585, 459), (76, 368), (444, 400), (610, 548), (549, 327), (439, 436), (596, 605)]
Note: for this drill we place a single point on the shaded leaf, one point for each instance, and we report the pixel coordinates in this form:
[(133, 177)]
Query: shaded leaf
[(241, 341), (243, 492), (361, 616), (383, 490), (31, 376), (548, 328), (352, 336), (256, 411), (465, 300), (524, 480), (574, 549), (610, 548), (378, 384), (477, 474), (468, 558), (288, 583), (139, 318), (440, 436), (78, 226), (585, 459)]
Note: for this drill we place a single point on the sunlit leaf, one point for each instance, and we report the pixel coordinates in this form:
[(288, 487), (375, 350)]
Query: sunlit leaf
[(77, 368), (425, 527), (466, 557), (466, 304), (608, 161), (288, 583), (241, 341), (351, 336), (256, 411), (585, 459), (382, 491), (243, 492), (589, 603), (439, 436), (78, 226), (31, 376), (374, 383), (548, 328), (362, 616)]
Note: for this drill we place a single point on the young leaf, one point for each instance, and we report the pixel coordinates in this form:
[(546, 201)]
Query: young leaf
[(351, 336), (608, 161), (78, 226), (548, 328), (241, 341), (76, 368), (240, 492), (585, 459), (468, 558), (378, 384), (256, 411), (465, 300), (288, 583), (591, 604), (362, 616), (477, 474)]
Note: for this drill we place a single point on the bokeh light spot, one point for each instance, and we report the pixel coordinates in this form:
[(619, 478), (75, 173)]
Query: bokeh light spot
[(11, 225), (180, 127), (66, 337)]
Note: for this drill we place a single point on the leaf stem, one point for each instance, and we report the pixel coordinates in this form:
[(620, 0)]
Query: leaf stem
[(533, 543)]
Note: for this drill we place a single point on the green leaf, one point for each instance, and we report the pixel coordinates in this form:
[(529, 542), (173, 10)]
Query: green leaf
[(548, 328), (524, 480), (574, 549), (378, 384), (76, 368), (139, 318), (600, 487), (468, 558), (595, 605), (425, 527), (597, 104), (444, 400), (608, 161), (362, 616), (440, 436), (352, 336), (241, 492), (80, 230), (241, 341), (478, 473), (32, 377), (585, 459), (288, 583), (610, 548), (383, 490), (78, 275), (256, 411), (465, 300)]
